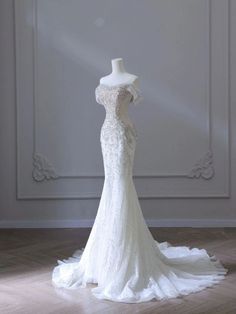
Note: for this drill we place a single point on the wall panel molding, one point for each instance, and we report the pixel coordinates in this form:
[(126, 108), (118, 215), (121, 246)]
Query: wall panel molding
[(39, 178)]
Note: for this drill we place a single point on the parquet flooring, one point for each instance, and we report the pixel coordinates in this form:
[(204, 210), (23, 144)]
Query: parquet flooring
[(27, 257)]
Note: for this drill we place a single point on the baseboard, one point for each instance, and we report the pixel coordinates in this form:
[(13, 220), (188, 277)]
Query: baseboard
[(88, 223), (192, 223)]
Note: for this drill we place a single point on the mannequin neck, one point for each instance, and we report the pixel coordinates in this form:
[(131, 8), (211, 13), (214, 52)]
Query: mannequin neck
[(118, 66)]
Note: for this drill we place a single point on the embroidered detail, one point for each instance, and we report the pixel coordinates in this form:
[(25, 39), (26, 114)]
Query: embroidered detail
[(118, 139)]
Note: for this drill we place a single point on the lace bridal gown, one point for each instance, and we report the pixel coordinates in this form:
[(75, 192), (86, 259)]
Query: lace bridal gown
[(121, 256)]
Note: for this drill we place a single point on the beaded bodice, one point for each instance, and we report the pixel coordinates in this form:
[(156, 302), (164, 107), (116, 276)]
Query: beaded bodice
[(118, 135)]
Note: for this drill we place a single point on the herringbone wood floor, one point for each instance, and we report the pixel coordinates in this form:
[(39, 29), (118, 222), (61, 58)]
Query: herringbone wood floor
[(28, 256)]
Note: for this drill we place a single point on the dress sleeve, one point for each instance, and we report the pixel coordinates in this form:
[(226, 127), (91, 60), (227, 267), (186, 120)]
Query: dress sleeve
[(136, 93), (97, 96)]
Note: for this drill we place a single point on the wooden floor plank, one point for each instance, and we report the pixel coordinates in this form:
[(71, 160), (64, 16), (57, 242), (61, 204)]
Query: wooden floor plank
[(28, 256)]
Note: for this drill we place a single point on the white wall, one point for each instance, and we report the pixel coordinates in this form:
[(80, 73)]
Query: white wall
[(184, 52)]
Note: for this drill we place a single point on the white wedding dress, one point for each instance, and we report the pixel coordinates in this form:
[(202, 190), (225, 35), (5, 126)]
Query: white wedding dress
[(121, 256)]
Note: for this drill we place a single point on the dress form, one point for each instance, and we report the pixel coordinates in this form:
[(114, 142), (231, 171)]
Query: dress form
[(119, 76)]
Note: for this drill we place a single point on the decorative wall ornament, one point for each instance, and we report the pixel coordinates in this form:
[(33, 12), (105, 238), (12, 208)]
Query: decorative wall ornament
[(43, 169), (203, 168)]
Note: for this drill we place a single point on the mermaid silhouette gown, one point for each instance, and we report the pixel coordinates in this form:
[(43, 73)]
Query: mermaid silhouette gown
[(121, 256)]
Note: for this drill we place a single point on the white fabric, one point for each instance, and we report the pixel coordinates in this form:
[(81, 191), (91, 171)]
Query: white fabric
[(121, 255), (137, 96)]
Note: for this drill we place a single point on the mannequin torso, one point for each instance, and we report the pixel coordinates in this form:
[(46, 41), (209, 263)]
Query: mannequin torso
[(119, 77)]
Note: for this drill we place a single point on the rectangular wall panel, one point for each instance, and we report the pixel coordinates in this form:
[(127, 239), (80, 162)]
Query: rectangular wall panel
[(180, 51)]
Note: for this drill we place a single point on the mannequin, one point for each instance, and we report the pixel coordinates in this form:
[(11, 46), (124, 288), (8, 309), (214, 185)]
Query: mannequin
[(119, 76)]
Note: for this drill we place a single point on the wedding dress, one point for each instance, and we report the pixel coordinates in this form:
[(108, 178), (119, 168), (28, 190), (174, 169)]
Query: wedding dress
[(121, 256)]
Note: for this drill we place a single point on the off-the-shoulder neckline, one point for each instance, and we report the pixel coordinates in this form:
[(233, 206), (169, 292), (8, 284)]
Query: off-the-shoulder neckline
[(130, 87), (115, 86), (118, 85)]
